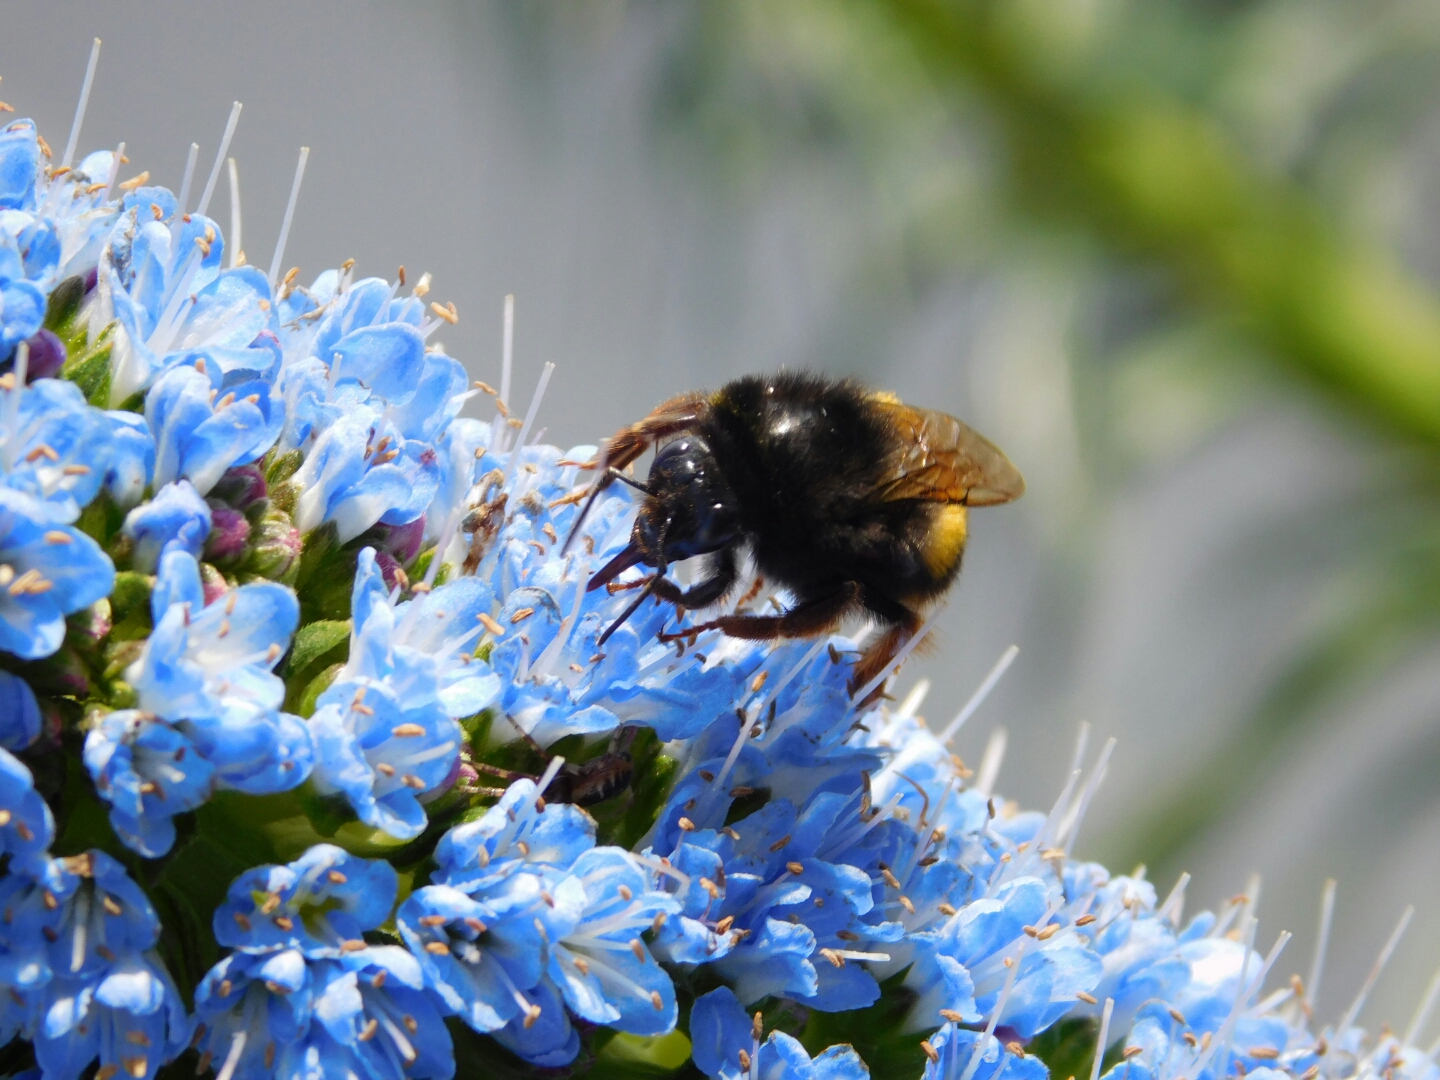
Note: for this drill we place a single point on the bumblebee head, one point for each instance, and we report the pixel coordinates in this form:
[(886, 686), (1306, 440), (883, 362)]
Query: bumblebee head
[(689, 508)]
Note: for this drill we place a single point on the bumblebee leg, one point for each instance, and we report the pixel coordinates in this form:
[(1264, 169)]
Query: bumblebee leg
[(904, 623), (496, 770), (808, 619), (723, 575), (674, 416)]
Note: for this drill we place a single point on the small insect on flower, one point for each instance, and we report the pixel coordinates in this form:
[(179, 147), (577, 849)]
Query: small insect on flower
[(848, 499)]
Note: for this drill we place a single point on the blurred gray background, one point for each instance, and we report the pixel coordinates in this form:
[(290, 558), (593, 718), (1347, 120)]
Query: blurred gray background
[(1223, 561)]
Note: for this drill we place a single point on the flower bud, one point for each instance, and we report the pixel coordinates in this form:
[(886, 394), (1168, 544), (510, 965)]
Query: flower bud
[(275, 547)]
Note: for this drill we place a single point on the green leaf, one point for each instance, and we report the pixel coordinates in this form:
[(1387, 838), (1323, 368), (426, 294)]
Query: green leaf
[(873, 1032), (130, 606), (1067, 1048)]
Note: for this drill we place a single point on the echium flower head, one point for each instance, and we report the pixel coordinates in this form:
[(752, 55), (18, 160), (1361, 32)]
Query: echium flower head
[(303, 995), (78, 943), (209, 707)]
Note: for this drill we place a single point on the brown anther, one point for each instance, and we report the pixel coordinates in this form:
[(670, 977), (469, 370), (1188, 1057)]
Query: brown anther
[(1046, 933), (368, 1031), (740, 791), (1089, 999), (272, 901), (744, 1061), (335, 877), (1131, 1051), (437, 948), (384, 768), (582, 965), (407, 731), (836, 960), (951, 1015), (686, 825), (410, 780), (930, 1051), (448, 312), (352, 945), (795, 867), (944, 908), (225, 987), (284, 922), (491, 625), (1264, 1053), (890, 879), (76, 470), (111, 905), (778, 844), (242, 921), (1175, 1014), (44, 450), (1015, 1048), (134, 182), (1085, 920)]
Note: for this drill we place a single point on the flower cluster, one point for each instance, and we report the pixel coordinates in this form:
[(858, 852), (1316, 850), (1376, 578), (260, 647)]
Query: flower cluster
[(295, 656)]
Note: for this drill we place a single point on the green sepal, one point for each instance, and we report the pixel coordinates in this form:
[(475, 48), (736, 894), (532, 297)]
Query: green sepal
[(282, 467), (88, 367), (64, 303), (303, 701), (130, 606)]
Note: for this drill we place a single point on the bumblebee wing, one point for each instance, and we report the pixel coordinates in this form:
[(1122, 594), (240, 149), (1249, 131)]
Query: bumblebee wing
[(936, 458)]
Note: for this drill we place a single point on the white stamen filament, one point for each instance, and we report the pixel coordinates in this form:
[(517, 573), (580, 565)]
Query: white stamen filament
[(185, 183), (1103, 1040), (232, 1059), (1380, 961), (552, 651), (288, 218), (1174, 903), (978, 698), (74, 140), (551, 771), (991, 761), (1322, 941), (234, 211), (164, 333), (1422, 1013), (114, 172), (1223, 1035), (1000, 1003), (514, 458), (81, 918), (447, 534), (913, 700), (499, 431), (850, 954), (234, 119), (1070, 831)]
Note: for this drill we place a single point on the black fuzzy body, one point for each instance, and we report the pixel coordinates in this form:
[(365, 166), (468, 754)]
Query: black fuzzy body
[(802, 455)]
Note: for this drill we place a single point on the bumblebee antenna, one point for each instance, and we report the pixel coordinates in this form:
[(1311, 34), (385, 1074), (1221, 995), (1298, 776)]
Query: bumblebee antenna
[(616, 474)]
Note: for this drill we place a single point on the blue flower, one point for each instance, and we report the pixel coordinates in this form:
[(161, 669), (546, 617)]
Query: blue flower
[(173, 304), (79, 940), (177, 514), (285, 1015), (148, 771), (951, 1049), (209, 707), (204, 427), (320, 904), (19, 713), (983, 954), (385, 730), (47, 570), (26, 827), (356, 474), (58, 448), (726, 1044)]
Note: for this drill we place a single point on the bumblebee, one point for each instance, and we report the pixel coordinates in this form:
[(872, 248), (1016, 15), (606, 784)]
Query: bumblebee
[(848, 499)]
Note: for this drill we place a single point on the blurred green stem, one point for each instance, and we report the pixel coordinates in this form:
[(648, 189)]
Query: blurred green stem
[(1151, 176)]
